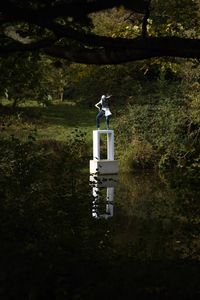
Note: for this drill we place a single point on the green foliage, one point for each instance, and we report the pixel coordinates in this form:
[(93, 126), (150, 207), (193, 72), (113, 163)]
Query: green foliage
[(117, 23), (175, 18), (34, 77), (23, 166), (163, 133), (171, 18), (20, 77)]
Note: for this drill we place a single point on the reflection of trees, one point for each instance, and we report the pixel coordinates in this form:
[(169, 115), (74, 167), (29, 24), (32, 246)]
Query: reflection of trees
[(162, 221)]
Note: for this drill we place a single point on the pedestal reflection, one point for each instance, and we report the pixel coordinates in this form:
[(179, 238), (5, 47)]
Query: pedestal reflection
[(103, 195)]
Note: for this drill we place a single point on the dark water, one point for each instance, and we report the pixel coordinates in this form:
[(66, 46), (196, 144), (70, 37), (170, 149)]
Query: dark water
[(127, 237)]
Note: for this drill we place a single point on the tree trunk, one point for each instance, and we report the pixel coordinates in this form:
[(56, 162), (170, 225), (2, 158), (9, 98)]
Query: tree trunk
[(62, 96), (14, 104)]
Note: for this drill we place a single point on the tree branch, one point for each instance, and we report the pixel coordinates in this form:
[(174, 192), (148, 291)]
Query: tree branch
[(19, 47), (89, 48), (138, 49)]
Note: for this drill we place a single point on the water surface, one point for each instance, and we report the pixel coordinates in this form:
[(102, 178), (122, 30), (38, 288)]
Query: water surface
[(116, 238)]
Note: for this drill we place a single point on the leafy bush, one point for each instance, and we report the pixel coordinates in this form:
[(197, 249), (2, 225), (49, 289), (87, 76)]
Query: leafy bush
[(40, 168), (163, 133)]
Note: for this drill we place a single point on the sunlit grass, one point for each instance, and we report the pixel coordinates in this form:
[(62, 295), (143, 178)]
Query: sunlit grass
[(56, 121)]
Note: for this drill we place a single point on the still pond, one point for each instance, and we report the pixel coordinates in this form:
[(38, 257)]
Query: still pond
[(120, 237)]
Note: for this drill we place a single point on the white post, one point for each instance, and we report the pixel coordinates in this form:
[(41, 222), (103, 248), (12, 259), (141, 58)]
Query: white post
[(96, 145), (110, 145)]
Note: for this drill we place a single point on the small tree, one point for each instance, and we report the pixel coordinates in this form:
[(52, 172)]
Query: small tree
[(20, 77)]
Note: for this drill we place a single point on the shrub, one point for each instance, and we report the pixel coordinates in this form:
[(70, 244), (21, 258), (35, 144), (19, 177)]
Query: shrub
[(163, 133), (140, 154)]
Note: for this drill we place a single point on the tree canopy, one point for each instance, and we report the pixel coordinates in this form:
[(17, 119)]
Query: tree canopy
[(66, 29)]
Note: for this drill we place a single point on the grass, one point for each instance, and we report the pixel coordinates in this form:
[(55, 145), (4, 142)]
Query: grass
[(60, 119), (55, 121)]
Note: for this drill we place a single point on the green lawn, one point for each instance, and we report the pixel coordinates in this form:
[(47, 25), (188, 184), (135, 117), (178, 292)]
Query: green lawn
[(56, 121), (60, 119)]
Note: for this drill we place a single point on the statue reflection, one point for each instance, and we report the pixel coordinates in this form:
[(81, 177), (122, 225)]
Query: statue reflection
[(103, 195)]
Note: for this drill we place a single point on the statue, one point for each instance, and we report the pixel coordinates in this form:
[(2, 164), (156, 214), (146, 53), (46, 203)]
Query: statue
[(103, 107)]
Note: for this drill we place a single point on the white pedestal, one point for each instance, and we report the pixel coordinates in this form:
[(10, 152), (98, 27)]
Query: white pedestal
[(103, 166), (110, 144)]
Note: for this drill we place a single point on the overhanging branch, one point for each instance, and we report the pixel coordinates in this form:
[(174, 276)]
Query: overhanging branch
[(87, 47), (140, 49)]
